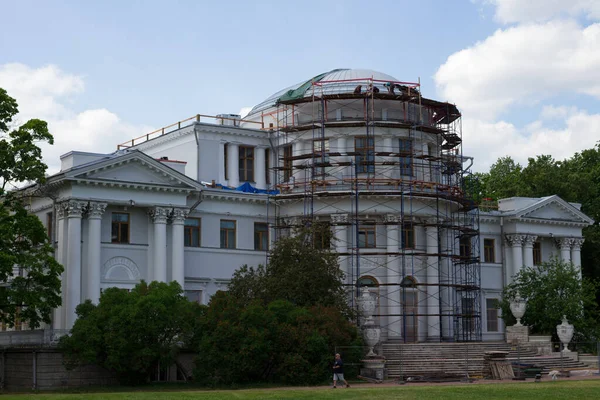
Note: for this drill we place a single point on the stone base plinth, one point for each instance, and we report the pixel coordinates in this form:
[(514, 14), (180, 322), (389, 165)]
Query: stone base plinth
[(517, 334), (374, 368)]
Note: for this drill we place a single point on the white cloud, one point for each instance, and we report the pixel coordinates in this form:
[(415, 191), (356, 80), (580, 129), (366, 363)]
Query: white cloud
[(509, 11), (45, 93), (487, 141), (521, 66)]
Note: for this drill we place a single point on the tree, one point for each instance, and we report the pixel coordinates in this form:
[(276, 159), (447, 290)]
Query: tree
[(553, 289), (28, 271), (503, 180), (274, 342), (130, 333), (302, 269)]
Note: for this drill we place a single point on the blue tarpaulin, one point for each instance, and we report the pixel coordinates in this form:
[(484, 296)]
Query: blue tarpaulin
[(248, 188)]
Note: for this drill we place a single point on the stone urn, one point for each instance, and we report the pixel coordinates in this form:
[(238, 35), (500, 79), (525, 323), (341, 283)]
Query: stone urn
[(371, 334), (565, 333), (366, 303), (517, 307)]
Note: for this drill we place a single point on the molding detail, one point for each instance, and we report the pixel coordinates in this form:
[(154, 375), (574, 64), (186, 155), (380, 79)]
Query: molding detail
[(577, 243), (159, 215), (515, 240), (339, 218), (179, 215), (390, 218), (529, 240), (61, 209), (125, 263), (564, 243), (95, 210), (75, 208)]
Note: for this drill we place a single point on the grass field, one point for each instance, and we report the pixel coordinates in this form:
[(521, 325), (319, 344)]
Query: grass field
[(585, 389)]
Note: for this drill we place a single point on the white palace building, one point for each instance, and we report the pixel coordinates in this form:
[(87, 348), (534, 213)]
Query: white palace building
[(355, 149)]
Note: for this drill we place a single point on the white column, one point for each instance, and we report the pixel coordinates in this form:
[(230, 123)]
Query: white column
[(73, 266), (389, 171), (159, 217), (393, 277), (341, 148), (576, 254), (445, 281), (564, 244), (298, 174), (259, 168), (340, 235), (528, 250), (61, 254), (233, 164), (95, 211), (177, 246), (433, 295), (516, 242), (425, 164)]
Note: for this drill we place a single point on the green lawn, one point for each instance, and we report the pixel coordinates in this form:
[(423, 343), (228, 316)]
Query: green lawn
[(588, 389)]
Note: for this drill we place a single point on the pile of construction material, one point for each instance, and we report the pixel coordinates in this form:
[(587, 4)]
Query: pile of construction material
[(495, 365)]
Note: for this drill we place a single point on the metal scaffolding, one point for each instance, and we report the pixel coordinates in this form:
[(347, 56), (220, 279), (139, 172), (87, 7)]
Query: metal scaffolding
[(405, 174)]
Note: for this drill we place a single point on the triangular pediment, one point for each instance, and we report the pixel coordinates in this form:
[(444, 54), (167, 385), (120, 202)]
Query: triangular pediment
[(133, 172), (136, 169), (554, 209)]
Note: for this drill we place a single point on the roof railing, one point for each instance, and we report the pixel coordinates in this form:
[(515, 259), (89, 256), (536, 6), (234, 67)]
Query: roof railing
[(183, 123)]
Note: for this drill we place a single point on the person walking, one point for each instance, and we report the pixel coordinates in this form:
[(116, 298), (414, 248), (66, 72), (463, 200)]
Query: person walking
[(338, 371)]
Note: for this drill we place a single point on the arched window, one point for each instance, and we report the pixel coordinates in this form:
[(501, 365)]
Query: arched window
[(409, 282), (368, 281)]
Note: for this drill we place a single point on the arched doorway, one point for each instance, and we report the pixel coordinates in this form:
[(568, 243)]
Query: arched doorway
[(409, 299)]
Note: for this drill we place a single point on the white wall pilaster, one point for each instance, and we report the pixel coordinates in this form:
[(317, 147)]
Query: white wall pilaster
[(576, 254), (177, 246), (433, 295), (73, 265), (528, 250), (260, 177), (516, 242), (61, 255), (94, 215), (394, 322), (233, 164), (159, 218), (340, 234), (564, 244)]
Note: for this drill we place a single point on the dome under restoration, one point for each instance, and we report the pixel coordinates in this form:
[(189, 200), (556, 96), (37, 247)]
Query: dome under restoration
[(340, 81)]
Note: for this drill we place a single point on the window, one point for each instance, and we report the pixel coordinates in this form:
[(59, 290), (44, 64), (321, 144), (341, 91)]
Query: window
[(489, 255), (120, 228), (287, 162), (468, 312), (268, 166), (322, 236), (320, 150), (537, 253), (246, 164), (368, 281), (366, 236), (225, 150), (408, 236), (195, 296), (49, 224), (465, 247), (261, 236), (365, 159), (405, 157), (492, 306), (227, 234), (191, 236)]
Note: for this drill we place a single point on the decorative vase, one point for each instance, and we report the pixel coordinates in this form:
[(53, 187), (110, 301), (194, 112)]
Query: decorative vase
[(367, 303), (371, 334), (565, 333), (518, 306)]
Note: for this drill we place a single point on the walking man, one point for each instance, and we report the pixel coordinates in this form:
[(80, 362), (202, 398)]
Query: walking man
[(338, 371)]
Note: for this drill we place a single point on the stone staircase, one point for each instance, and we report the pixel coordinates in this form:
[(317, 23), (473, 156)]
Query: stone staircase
[(447, 360)]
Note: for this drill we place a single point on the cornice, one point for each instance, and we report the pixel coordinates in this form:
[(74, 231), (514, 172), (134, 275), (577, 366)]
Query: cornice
[(234, 197), (130, 185)]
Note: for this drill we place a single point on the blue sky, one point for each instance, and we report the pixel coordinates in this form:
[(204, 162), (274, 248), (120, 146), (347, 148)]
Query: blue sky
[(126, 66)]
